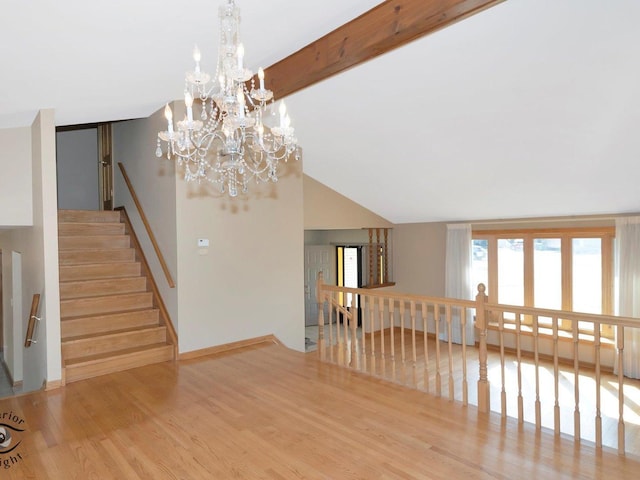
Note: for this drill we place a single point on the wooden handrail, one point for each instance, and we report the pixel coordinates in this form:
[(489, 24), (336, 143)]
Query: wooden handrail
[(158, 302), (33, 318), (147, 227), (405, 296)]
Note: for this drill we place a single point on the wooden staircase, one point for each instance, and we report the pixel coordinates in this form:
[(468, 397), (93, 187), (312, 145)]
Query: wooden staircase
[(110, 320)]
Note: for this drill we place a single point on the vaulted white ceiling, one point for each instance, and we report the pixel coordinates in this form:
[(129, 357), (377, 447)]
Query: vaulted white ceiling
[(527, 109)]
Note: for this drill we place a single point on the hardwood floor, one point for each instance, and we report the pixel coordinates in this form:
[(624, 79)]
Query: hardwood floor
[(266, 412), (452, 387)]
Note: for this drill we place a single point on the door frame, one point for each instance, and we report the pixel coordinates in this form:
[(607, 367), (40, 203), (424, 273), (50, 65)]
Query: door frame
[(105, 165)]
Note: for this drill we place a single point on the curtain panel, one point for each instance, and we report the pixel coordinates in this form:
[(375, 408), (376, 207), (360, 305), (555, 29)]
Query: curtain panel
[(458, 279), (627, 262)]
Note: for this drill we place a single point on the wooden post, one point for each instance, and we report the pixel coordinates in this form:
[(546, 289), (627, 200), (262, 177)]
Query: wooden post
[(620, 355), (378, 280), (576, 381), (386, 256), (320, 300), (353, 361), (371, 256), (425, 339), (484, 404), (436, 315), (596, 346)]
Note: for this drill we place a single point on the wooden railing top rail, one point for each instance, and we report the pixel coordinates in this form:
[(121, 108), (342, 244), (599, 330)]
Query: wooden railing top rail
[(401, 296), (493, 307), (565, 315), (147, 227)]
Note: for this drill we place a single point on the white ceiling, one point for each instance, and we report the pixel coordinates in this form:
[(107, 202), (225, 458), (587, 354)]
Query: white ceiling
[(525, 110)]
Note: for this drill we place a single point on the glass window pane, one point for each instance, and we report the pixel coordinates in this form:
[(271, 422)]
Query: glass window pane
[(480, 265), (547, 273), (587, 277), (511, 271)]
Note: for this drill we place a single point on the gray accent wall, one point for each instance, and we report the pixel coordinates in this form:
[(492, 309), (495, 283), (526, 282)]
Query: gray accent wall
[(77, 159)]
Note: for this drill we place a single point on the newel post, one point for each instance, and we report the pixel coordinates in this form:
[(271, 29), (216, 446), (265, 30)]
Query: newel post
[(320, 300), (484, 404)]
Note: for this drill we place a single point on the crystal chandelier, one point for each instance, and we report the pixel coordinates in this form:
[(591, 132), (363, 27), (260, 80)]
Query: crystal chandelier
[(239, 136)]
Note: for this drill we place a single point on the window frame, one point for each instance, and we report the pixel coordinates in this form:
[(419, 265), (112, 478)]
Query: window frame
[(566, 236)]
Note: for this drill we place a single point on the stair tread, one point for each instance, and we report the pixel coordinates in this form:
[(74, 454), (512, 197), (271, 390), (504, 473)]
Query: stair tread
[(67, 243), (89, 223), (117, 353), (99, 264), (73, 215), (98, 314), (106, 314), (95, 297), (119, 312), (98, 280), (95, 271), (100, 287), (113, 333), (108, 322), (94, 251)]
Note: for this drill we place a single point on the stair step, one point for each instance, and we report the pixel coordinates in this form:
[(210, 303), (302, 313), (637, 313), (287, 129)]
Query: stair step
[(75, 327), (90, 345), (76, 307), (97, 228), (88, 216), (69, 273), (113, 255), (94, 288), (80, 242), (87, 367), (108, 322)]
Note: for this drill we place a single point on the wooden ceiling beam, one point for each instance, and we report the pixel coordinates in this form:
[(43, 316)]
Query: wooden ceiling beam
[(385, 27)]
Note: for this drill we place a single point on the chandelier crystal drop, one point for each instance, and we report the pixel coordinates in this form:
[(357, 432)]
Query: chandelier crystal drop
[(240, 134)]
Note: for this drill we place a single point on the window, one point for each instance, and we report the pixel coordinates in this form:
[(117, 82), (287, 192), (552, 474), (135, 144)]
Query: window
[(560, 269)]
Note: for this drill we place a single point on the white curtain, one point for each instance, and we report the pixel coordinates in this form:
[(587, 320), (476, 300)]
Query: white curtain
[(458, 280), (627, 260)]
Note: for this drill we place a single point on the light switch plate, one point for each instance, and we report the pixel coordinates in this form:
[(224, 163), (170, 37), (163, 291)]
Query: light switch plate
[(203, 242)]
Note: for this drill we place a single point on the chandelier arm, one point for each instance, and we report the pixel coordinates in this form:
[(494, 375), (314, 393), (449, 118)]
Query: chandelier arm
[(232, 144)]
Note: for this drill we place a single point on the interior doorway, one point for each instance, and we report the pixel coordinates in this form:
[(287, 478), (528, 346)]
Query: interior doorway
[(84, 167), (317, 258)]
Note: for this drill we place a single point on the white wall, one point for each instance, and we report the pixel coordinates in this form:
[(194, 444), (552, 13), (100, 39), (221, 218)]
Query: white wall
[(38, 246), (326, 209), (77, 173), (12, 313), (250, 283), (45, 221), (16, 203), (419, 258), (153, 179)]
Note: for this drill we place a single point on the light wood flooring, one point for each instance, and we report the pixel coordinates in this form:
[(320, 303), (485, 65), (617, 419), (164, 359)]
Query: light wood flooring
[(406, 374), (266, 412)]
